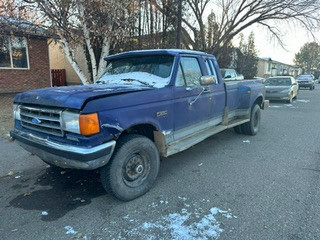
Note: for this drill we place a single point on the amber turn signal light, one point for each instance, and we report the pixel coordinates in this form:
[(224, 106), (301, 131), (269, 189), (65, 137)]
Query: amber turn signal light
[(89, 124)]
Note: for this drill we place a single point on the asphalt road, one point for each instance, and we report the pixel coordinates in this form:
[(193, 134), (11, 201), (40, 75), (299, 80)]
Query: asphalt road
[(229, 186)]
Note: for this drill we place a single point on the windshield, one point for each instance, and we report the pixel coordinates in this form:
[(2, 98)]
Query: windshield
[(305, 77), (278, 82), (154, 71)]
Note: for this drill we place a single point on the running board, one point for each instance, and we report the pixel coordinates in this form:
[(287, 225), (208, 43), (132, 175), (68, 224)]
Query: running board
[(191, 140)]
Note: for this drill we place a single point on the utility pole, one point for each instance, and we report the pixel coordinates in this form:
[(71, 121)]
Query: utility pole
[(179, 17)]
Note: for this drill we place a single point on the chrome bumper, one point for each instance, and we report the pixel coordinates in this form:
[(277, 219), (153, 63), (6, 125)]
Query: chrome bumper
[(65, 156)]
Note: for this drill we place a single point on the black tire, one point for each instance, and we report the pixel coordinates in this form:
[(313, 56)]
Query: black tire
[(132, 169), (311, 88), (238, 129), (290, 98), (252, 127)]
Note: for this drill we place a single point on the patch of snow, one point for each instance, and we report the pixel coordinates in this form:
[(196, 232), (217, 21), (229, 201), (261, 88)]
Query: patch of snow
[(200, 164), (303, 100), (182, 198), (246, 141), (275, 106), (44, 213), (136, 78), (17, 177), (184, 225), (120, 129), (154, 205), (70, 230)]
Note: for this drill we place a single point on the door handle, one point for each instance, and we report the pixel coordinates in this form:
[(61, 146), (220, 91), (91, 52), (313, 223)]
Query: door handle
[(207, 90)]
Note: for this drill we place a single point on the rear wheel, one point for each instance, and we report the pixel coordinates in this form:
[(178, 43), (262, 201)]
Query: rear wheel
[(252, 127), (133, 168)]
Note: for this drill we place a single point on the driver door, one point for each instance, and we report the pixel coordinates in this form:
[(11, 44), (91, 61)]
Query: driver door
[(192, 104)]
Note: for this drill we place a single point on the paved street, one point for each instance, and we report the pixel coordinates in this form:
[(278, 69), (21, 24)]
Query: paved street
[(229, 186)]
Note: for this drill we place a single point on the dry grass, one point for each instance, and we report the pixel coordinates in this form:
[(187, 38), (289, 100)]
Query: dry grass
[(6, 114)]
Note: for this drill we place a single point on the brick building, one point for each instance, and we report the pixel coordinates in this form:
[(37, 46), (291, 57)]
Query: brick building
[(24, 59)]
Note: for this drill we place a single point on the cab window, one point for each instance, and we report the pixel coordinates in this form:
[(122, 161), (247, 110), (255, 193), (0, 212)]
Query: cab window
[(180, 81), (191, 71)]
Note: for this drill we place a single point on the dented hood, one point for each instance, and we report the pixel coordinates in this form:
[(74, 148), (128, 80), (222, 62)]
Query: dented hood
[(74, 97)]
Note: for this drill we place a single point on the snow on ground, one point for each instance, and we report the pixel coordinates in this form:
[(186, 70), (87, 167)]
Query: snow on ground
[(188, 223), (184, 225)]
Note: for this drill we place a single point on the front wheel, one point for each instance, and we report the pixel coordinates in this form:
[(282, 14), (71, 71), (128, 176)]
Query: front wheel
[(290, 98), (132, 169), (252, 127)]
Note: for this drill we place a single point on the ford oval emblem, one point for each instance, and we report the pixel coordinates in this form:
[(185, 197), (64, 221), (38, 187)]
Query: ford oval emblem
[(36, 121)]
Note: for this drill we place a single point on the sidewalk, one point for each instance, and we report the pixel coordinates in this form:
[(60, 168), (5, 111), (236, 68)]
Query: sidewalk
[(15, 159)]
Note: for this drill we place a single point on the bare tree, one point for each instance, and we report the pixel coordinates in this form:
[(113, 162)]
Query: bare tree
[(233, 16), (79, 23)]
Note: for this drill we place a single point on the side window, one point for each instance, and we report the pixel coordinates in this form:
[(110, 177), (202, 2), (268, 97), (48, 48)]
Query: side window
[(208, 66), (191, 70), (214, 71), (180, 79), (233, 74)]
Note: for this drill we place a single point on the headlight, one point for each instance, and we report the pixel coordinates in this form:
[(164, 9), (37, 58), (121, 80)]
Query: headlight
[(84, 124), (16, 112), (70, 122)]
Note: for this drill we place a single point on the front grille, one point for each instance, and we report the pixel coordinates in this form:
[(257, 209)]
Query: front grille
[(42, 119)]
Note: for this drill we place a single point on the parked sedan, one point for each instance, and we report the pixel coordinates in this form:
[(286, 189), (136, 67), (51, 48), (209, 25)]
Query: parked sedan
[(306, 81), (281, 88)]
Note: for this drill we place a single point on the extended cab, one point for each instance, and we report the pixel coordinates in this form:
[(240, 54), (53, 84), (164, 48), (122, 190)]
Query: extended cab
[(148, 104)]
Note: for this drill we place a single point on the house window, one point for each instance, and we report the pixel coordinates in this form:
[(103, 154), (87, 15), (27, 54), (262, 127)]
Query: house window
[(14, 53)]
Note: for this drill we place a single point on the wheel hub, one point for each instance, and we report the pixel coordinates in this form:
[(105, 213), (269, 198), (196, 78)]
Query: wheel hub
[(134, 168)]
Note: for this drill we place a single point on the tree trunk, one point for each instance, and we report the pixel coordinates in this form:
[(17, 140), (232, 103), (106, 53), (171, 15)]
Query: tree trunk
[(179, 18)]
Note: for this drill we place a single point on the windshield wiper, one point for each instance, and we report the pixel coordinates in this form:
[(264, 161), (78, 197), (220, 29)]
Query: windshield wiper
[(131, 79)]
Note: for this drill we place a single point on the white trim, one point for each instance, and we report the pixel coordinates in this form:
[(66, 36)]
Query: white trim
[(11, 59)]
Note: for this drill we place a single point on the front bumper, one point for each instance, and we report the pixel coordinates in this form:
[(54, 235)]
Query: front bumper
[(305, 84), (65, 156), (277, 96)]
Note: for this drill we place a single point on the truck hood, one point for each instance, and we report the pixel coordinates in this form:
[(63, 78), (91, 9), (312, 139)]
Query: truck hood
[(74, 97)]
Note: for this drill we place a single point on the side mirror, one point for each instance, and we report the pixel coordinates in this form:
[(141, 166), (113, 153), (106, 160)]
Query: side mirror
[(208, 80)]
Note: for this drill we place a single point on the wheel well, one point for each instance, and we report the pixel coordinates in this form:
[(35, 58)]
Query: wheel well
[(142, 129), (259, 101)]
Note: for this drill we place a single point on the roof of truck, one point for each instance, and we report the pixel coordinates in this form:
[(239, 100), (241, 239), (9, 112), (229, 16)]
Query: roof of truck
[(156, 51)]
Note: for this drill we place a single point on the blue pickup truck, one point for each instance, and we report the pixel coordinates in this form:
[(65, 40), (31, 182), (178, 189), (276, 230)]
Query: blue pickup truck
[(148, 104)]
